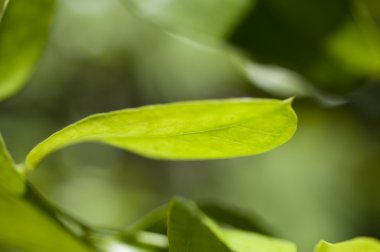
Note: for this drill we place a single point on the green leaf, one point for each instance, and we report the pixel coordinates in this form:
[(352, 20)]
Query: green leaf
[(242, 241), (23, 34), (10, 179), (190, 230), (188, 130), (360, 244), (25, 227), (211, 18)]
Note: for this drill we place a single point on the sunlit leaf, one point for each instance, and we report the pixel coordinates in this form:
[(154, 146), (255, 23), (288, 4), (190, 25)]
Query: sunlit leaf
[(23, 34), (10, 179), (211, 18), (190, 230), (361, 244), (242, 241), (188, 130), (24, 227)]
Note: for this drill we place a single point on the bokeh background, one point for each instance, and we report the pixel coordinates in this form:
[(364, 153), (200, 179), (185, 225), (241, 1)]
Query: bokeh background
[(323, 184)]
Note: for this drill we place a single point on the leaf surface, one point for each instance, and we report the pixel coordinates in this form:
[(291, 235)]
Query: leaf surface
[(360, 244), (23, 34), (187, 131)]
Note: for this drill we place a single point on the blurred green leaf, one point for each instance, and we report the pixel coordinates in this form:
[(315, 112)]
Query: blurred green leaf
[(212, 18), (242, 241), (10, 179), (360, 244), (23, 34), (25, 227), (190, 230), (3, 5), (356, 45), (188, 130)]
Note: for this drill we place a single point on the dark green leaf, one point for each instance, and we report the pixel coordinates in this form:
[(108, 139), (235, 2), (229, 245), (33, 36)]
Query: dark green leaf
[(23, 34), (190, 230), (188, 130)]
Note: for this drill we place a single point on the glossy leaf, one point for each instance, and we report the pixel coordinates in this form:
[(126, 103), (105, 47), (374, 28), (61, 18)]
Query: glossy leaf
[(361, 244), (211, 18), (190, 230), (25, 227), (10, 179), (23, 34), (242, 241), (188, 130)]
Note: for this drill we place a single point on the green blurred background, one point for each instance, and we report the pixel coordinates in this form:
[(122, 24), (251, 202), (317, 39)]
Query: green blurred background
[(323, 184)]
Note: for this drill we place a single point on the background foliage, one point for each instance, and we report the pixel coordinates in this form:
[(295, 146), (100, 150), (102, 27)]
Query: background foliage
[(107, 55)]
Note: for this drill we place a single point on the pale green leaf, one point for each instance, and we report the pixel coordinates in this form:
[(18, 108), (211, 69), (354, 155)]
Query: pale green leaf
[(190, 230), (188, 130), (23, 34), (10, 179), (242, 241), (360, 244), (25, 227), (211, 18)]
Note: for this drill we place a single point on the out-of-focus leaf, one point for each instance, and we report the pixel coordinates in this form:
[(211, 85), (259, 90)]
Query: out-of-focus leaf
[(211, 18), (3, 5), (190, 230), (188, 130), (283, 82), (24, 227), (23, 34), (242, 241), (356, 46), (10, 179), (361, 244)]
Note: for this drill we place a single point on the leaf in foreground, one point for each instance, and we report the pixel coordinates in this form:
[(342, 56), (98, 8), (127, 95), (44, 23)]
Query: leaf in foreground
[(189, 130), (10, 179), (360, 244), (23, 33)]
